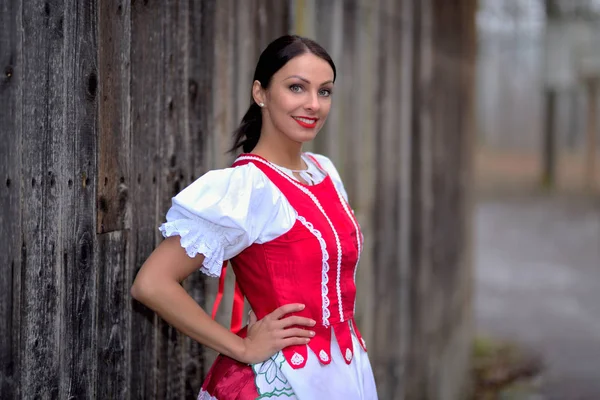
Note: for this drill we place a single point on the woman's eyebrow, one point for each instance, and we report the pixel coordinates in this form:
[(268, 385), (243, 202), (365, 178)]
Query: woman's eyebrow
[(306, 80), (298, 77)]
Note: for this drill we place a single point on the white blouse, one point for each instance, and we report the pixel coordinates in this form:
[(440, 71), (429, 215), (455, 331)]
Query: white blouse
[(227, 210)]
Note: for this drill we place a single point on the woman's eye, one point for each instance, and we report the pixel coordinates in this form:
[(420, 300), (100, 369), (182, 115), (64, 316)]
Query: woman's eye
[(296, 88), (325, 92)]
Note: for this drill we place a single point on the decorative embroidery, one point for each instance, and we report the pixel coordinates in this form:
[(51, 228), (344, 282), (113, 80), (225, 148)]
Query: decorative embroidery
[(318, 204), (348, 355), (324, 269), (204, 395), (323, 356), (269, 379), (297, 359), (358, 234)]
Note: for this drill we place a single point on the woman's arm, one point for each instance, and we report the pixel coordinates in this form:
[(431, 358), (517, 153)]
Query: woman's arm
[(158, 286)]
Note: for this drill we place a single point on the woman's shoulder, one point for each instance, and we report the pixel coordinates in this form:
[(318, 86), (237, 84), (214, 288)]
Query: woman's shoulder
[(239, 197), (216, 184), (226, 210)]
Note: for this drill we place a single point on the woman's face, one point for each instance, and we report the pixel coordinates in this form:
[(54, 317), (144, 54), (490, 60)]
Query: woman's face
[(298, 98)]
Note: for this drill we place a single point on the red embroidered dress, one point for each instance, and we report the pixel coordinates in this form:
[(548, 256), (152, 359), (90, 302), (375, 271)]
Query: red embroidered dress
[(312, 262)]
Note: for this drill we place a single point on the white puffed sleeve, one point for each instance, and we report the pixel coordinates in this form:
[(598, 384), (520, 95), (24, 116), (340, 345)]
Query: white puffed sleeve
[(225, 211), (328, 166)]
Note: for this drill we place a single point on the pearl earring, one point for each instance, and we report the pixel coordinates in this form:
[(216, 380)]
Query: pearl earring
[(261, 104)]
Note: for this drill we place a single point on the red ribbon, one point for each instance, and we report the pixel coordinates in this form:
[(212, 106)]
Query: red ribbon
[(237, 311)]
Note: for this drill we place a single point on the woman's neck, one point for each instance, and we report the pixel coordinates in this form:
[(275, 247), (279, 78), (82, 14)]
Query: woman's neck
[(287, 155)]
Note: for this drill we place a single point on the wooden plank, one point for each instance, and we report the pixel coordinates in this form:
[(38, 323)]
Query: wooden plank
[(114, 141), (224, 122), (114, 185), (43, 144), (385, 345), (446, 240), (246, 15), (336, 52), (223, 83), (274, 21), (322, 15), (201, 67), (114, 363), (201, 61), (192, 351), (172, 167), (450, 338), (144, 380), (148, 112), (11, 60), (364, 142), (404, 30), (416, 377), (78, 283), (347, 103)]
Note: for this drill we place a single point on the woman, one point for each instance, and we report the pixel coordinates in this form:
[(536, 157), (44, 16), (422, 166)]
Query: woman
[(281, 217)]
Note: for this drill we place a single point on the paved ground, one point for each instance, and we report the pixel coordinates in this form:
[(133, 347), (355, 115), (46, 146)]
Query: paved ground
[(538, 283)]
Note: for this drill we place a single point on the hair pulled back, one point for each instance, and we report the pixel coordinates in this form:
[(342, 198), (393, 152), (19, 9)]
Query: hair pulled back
[(271, 60)]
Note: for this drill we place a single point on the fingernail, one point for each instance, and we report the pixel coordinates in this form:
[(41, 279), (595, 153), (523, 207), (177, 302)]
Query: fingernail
[(302, 306), (313, 322), (307, 340), (312, 333)]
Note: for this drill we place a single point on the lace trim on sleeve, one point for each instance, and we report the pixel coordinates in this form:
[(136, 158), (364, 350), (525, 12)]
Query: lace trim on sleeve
[(199, 236)]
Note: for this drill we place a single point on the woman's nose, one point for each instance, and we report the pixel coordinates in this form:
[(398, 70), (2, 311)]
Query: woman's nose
[(313, 103)]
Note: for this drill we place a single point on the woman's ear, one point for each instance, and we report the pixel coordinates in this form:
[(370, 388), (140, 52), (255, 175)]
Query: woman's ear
[(258, 93)]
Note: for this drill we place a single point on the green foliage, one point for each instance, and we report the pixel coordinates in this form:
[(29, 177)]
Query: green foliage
[(503, 370)]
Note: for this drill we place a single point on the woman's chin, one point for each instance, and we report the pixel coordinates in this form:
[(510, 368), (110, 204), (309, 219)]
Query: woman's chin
[(306, 136)]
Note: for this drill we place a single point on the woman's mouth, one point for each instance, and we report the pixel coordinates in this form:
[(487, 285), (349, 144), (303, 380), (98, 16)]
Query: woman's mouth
[(306, 122)]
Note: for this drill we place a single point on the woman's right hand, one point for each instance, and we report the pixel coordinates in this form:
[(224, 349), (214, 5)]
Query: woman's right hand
[(272, 333)]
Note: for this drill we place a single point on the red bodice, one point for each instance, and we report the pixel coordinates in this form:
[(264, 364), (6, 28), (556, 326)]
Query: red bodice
[(314, 263)]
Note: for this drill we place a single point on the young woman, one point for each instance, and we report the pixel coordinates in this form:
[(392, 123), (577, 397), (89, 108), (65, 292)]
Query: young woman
[(281, 217)]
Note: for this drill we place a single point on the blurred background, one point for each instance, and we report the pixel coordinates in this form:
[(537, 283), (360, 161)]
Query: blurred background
[(466, 133), (537, 239)]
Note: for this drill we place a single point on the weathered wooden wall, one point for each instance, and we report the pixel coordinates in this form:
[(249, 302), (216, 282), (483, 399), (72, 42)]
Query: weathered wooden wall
[(110, 108)]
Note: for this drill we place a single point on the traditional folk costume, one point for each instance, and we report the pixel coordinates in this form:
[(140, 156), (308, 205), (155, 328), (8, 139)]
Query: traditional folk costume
[(288, 242)]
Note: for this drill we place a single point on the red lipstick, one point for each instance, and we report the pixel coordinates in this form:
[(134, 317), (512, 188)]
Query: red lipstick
[(306, 122)]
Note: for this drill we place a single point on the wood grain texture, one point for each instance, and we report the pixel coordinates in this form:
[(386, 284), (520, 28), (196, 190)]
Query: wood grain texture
[(386, 339), (148, 378), (200, 66), (44, 145), (223, 91), (78, 264), (114, 140), (174, 161), (113, 201), (366, 154), (223, 88), (11, 69), (114, 107), (113, 343)]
